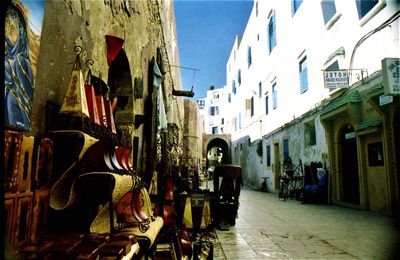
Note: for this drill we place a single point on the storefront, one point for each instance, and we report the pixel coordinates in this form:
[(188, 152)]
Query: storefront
[(363, 146)]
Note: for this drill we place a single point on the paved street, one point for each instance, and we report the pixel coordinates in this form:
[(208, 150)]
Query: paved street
[(268, 228)]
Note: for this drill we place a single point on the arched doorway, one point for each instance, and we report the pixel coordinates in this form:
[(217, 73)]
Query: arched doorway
[(350, 184)]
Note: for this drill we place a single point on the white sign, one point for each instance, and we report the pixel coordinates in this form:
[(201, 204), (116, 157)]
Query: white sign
[(350, 135), (391, 76), (336, 78), (384, 100)]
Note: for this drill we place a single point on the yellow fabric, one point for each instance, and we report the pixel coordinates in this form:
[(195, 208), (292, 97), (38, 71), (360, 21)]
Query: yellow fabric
[(206, 216), (151, 233), (75, 97), (187, 213), (62, 195)]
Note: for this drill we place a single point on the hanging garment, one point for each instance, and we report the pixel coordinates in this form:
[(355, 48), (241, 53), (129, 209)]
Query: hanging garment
[(187, 213), (75, 102), (92, 104), (206, 214)]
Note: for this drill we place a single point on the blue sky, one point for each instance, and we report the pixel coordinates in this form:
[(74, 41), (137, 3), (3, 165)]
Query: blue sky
[(206, 33)]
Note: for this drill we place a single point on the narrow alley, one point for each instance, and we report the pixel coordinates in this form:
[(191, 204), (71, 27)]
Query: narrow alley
[(269, 228)]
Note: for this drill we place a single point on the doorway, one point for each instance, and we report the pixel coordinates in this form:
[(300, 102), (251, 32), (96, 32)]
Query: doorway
[(349, 166), (277, 165)]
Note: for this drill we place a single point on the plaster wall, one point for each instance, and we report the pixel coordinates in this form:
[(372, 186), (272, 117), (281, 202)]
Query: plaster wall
[(193, 133), (86, 23)]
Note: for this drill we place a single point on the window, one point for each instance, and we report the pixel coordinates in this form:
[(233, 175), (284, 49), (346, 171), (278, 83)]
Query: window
[(222, 121), (375, 154), (285, 149), (364, 6), (215, 130), (201, 104), (239, 79), (309, 134), (271, 33), (259, 90), (252, 106), (229, 98), (249, 56), (248, 107), (214, 111), (268, 155), (233, 87), (240, 121), (266, 105), (295, 5), (328, 9), (274, 96), (303, 75)]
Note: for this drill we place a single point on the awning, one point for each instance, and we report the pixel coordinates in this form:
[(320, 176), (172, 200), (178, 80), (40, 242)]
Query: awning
[(353, 97)]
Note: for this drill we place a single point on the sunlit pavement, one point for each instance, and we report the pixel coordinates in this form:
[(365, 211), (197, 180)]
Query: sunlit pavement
[(269, 228)]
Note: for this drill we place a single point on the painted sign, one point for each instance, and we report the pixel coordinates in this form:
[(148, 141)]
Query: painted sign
[(23, 22), (384, 100), (336, 79), (391, 76)]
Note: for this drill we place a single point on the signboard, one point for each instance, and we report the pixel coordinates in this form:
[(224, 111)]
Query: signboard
[(384, 100), (391, 76), (336, 79)]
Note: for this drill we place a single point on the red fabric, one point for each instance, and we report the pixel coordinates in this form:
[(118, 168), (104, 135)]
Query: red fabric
[(114, 46), (101, 110), (109, 116), (92, 104)]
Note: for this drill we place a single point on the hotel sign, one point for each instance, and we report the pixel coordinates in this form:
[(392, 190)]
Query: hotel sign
[(336, 78), (391, 76)]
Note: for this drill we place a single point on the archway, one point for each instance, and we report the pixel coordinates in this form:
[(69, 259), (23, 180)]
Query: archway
[(350, 185), (217, 153), (120, 82)]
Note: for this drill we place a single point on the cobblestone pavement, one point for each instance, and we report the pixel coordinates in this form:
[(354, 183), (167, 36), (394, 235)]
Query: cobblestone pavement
[(269, 228)]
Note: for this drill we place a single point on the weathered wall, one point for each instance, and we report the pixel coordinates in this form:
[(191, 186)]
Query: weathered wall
[(193, 134), (145, 27), (255, 166)]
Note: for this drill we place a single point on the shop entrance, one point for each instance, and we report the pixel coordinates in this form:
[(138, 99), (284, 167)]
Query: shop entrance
[(350, 185)]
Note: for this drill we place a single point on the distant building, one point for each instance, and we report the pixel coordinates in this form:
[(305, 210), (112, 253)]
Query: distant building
[(215, 111)]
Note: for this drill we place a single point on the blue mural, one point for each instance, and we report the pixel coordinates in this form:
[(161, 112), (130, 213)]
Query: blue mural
[(20, 59)]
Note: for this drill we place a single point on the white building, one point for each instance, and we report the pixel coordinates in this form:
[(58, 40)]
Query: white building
[(275, 75), (215, 111)]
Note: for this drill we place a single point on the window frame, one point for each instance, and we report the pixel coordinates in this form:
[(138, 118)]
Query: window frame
[(268, 152), (371, 12), (310, 133), (272, 32), (274, 96), (303, 73), (285, 144), (249, 58), (331, 20), (295, 6)]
